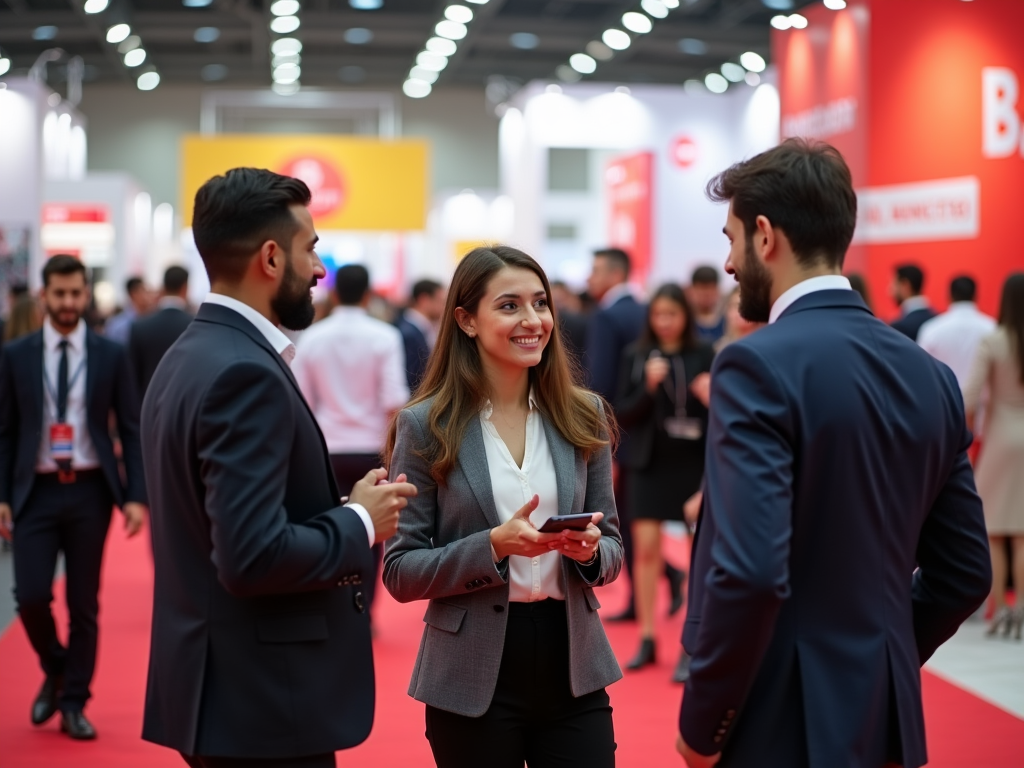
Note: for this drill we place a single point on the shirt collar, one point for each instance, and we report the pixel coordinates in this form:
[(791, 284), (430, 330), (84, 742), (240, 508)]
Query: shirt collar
[(616, 292), (281, 343), (913, 304), (487, 410), (420, 320), (963, 306), (172, 302), (52, 337), (348, 310), (801, 289)]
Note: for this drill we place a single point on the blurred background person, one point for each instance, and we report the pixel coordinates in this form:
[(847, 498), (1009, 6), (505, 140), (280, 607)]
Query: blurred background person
[(25, 316), (153, 335), (953, 337), (915, 309), (140, 302), (736, 325), (663, 396), (418, 325), (999, 367), (860, 285), (706, 299), (351, 370), (572, 323)]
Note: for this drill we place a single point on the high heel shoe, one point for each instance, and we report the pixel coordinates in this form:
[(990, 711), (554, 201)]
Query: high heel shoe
[(1000, 623), (645, 655), (1016, 622)]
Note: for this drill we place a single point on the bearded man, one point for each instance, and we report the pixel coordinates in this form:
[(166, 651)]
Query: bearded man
[(841, 540)]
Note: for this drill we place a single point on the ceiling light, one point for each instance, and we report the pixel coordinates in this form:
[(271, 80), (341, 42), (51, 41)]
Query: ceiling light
[(599, 50), (796, 21), (211, 73), (733, 72), (671, 4), (582, 63), (693, 46), (130, 43), (441, 46), (778, 5), (716, 83), (835, 5), (453, 30), (286, 45), (524, 41), (285, 25), (424, 74), (285, 58), (567, 74), (118, 32), (366, 5), (286, 89), (287, 73), (5, 66), (458, 13), (196, 3), (148, 81), (753, 61), (95, 6), (477, 2), (655, 8), (637, 22), (134, 58), (46, 32), (752, 78), (781, 22), (416, 89), (431, 61), (553, 88), (358, 36), (206, 34), (616, 39), (694, 87), (285, 7)]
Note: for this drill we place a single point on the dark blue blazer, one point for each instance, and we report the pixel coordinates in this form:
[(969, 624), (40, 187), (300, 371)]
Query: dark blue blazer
[(108, 389), (841, 542), (260, 643), (417, 351), (910, 324), (610, 331)]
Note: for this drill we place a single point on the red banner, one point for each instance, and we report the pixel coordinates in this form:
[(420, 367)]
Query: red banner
[(629, 183)]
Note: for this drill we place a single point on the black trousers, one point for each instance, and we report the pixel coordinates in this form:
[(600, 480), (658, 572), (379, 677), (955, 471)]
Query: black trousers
[(72, 519), (349, 469), (306, 761), (533, 717)]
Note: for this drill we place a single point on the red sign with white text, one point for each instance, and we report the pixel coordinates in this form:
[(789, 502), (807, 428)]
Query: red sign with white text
[(325, 182), (75, 213), (629, 184)]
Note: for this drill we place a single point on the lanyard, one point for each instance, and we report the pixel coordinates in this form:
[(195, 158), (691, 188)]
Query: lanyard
[(71, 383), (677, 397)]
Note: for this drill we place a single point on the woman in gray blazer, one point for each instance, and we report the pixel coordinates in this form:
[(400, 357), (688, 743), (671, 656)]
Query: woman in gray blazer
[(514, 660)]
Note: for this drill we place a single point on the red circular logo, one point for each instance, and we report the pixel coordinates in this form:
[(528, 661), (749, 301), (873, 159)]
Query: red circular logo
[(325, 183), (684, 151)]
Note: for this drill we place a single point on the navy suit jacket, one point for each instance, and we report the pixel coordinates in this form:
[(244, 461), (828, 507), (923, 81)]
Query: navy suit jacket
[(150, 338), (417, 352), (910, 324), (260, 643), (108, 389), (841, 542), (610, 331)]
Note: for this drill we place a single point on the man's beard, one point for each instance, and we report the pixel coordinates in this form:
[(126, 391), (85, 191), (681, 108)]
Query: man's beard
[(755, 287), (293, 303), (64, 319)]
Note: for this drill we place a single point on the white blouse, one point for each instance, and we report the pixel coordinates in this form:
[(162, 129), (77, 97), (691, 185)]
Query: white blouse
[(530, 578)]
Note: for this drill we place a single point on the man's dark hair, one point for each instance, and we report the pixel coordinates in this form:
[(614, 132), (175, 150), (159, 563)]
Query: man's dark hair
[(913, 275), (61, 264), (351, 283), (237, 212), (802, 188), (19, 289), (175, 279), (618, 258), (424, 288), (704, 276), (132, 284), (963, 288)]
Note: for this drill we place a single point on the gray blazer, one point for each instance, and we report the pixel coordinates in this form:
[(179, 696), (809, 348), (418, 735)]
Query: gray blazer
[(442, 553)]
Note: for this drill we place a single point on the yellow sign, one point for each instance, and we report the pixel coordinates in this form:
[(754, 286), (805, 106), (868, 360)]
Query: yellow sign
[(356, 183)]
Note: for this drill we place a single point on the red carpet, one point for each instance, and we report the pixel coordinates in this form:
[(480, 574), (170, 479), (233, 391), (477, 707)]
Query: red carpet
[(963, 730)]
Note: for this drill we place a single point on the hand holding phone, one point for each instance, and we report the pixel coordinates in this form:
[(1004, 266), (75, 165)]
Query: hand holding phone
[(559, 523)]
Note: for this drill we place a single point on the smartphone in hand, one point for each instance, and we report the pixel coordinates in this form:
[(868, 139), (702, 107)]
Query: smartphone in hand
[(560, 523)]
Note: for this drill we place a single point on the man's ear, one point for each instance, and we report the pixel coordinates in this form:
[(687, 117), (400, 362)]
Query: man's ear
[(765, 239), (466, 322), (271, 259)]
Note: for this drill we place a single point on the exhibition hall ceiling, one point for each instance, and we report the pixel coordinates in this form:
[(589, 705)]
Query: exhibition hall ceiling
[(354, 42)]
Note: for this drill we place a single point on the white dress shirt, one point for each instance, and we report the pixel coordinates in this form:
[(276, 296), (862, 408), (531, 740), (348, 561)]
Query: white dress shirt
[(284, 347), (530, 578), (617, 292), (953, 337), (84, 454), (913, 304), (801, 289), (351, 368)]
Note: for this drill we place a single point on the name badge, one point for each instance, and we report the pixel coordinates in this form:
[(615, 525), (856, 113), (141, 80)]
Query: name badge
[(683, 428), (62, 443)]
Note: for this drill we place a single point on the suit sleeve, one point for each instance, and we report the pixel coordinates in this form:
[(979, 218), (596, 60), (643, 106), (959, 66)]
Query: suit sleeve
[(8, 428), (243, 440), (414, 569), (954, 573), (601, 498), (748, 491), (603, 352), (633, 403), (126, 409)]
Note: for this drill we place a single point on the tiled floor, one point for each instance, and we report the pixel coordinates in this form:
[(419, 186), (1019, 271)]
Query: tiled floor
[(991, 668)]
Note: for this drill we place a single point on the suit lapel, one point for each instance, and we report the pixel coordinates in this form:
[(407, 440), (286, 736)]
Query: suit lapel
[(473, 461), (36, 381), (564, 456), (92, 368)]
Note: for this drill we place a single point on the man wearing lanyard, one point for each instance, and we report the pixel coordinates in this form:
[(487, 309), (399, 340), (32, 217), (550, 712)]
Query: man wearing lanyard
[(59, 480)]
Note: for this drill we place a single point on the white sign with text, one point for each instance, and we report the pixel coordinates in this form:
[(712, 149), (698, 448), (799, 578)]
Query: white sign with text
[(926, 211)]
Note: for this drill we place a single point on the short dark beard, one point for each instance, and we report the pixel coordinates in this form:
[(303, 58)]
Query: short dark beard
[(293, 303), (755, 287), (60, 327)]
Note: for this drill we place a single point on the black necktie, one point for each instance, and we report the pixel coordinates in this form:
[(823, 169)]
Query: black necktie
[(62, 383)]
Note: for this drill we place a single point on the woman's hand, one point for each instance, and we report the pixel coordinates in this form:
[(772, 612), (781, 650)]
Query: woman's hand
[(520, 537), (691, 508), (580, 545), (701, 388), (655, 371)]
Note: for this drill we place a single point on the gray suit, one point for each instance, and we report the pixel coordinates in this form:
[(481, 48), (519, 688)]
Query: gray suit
[(442, 553)]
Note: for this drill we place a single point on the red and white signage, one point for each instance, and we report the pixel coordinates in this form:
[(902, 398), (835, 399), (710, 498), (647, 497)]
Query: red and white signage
[(684, 151), (945, 209), (325, 183), (628, 181)]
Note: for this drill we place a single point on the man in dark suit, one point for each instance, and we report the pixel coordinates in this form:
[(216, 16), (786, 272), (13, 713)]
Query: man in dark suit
[(841, 539), (915, 310), (59, 480), (615, 325), (153, 335), (418, 326), (260, 648)]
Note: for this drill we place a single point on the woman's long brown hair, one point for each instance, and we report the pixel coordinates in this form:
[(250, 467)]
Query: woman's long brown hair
[(1011, 316), (456, 382)]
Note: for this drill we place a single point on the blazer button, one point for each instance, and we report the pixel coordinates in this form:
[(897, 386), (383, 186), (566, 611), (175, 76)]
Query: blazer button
[(487, 579), (357, 599), (469, 585), (499, 609)]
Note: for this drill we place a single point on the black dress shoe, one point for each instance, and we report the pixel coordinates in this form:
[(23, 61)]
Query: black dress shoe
[(676, 581), (45, 705), (682, 671), (644, 655), (628, 614), (75, 725)]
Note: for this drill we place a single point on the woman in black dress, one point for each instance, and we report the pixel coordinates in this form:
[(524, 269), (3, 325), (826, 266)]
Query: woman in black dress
[(662, 405)]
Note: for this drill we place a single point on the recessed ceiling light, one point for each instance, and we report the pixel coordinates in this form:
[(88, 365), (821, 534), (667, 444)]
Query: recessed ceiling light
[(477, 2), (287, 73), (716, 83), (5, 67), (453, 30), (118, 32), (148, 81), (567, 74), (599, 50), (752, 78), (366, 5), (525, 41), (780, 22), (835, 5), (671, 4), (459, 13), (285, 7), (286, 89), (655, 8), (441, 46), (416, 89), (694, 87), (753, 61), (358, 36), (616, 39), (286, 45), (582, 63), (285, 58), (431, 61), (134, 58), (637, 22), (693, 46), (424, 74), (95, 6), (47, 32), (206, 34), (796, 21), (285, 25), (778, 5), (196, 3), (211, 73), (130, 43), (734, 73)]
